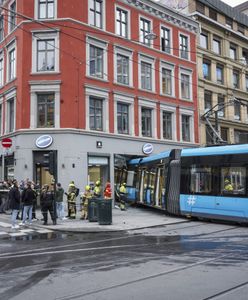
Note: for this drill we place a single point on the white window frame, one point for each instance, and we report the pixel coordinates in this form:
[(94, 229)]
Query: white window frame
[(188, 46), (164, 65), (189, 73), (162, 26), (2, 70), (129, 100), (172, 110), (1, 117), (8, 97), (11, 47), (9, 17), (143, 103), (189, 113), (41, 36), (151, 30), (128, 21), (100, 44), (101, 94), (36, 10), (128, 53), (103, 15), (39, 88), (149, 60)]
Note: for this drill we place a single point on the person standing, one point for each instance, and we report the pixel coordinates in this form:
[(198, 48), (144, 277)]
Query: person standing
[(71, 200), (85, 202), (59, 202), (97, 189), (29, 195), (46, 201), (107, 191), (123, 196), (14, 202)]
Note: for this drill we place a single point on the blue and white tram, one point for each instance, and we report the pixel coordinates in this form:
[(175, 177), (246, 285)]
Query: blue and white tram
[(193, 182)]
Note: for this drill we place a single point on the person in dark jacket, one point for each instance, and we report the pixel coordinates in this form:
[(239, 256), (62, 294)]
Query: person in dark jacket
[(46, 202), (14, 203), (28, 197)]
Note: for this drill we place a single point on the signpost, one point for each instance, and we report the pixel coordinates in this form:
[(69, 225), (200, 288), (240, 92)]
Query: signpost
[(6, 144)]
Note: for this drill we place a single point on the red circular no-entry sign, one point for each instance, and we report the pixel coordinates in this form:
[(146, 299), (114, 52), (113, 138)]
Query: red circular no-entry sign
[(6, 142)]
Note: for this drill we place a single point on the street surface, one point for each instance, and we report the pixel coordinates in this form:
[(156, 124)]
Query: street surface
[(190, 261)]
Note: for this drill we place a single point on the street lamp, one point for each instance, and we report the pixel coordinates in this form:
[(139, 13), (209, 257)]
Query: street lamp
[(151, 36)]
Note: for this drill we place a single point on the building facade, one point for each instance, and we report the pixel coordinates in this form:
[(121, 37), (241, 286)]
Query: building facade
[(94, 80)]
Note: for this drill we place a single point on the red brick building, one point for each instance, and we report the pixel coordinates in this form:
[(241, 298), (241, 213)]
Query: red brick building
[(87, 74)]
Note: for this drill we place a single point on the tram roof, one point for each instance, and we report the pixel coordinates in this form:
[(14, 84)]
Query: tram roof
[(148, 159), (216, 150)]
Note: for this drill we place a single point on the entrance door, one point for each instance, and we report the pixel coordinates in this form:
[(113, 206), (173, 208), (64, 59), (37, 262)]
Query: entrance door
[(98, 169)]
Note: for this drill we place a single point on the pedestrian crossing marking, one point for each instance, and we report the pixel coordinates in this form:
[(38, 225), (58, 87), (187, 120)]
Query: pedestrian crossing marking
[(3, 233), (5, 225), (44, 231), (26, 230), (17, 234)]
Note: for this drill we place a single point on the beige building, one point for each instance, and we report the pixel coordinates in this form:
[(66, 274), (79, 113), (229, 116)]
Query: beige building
[(223, 72)]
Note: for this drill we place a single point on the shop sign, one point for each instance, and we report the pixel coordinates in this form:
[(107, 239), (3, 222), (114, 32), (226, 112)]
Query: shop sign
[(44, 141), (147, 148)]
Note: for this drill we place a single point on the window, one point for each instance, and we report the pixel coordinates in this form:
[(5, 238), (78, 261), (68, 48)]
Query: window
[(1, 119), (46, 9), (1, 71), (221, 105), (237, 111), (241, 28), (167, 125), (219, 74), (1, 28), (246, 82), (184, 47), (234, 176), (240, 137), (122, 69), (206, 69), (10, 115), (45, 55), (212, 14), (12, 64), (229, 22), (96, 13), (12, 16), (166, 81), (200, 7), (209, 135), (245, 57), (217, 45), (204, 40), (146, 76), (224, 133), (235, 79), (96, 114), (45, 110), (207, 100), (200, 179), (233, 51), (145, 29), (165, 40), (146, 121), (121, 22), (122, 118), (96, 61), (186, 128), (185, 86)]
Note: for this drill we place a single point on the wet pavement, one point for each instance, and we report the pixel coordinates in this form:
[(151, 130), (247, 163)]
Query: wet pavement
[(192, 260)]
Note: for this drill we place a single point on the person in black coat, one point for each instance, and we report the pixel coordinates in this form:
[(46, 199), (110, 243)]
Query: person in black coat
[(28, 197), (47, 204), (14, 203)]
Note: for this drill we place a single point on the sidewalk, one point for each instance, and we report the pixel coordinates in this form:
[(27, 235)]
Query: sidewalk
[(132, 218)]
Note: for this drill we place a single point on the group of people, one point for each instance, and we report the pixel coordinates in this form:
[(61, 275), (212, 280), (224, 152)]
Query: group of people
[(23, 199)]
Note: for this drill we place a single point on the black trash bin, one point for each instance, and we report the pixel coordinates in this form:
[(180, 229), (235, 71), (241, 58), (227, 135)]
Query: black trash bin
[(105, 211), (93, 210)]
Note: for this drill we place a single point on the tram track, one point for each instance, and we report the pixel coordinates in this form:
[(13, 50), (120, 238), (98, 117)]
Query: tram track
[(55, 250)]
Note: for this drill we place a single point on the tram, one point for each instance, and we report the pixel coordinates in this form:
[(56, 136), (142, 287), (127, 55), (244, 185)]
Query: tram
[(209, 183)]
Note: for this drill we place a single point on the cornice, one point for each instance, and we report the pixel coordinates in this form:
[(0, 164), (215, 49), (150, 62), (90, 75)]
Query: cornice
[(165, 14)]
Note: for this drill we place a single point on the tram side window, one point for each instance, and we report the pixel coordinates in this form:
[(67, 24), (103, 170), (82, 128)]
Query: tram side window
[(200, 180), (233, 180), (130, 178)]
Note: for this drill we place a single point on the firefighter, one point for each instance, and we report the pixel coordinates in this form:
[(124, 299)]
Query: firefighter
[(84, 202), (228, 186), (97, 189), (108, 191), (123, 196), (71, 200)]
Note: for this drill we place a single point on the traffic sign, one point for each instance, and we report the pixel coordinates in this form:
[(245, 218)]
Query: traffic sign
[(6, 142)]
